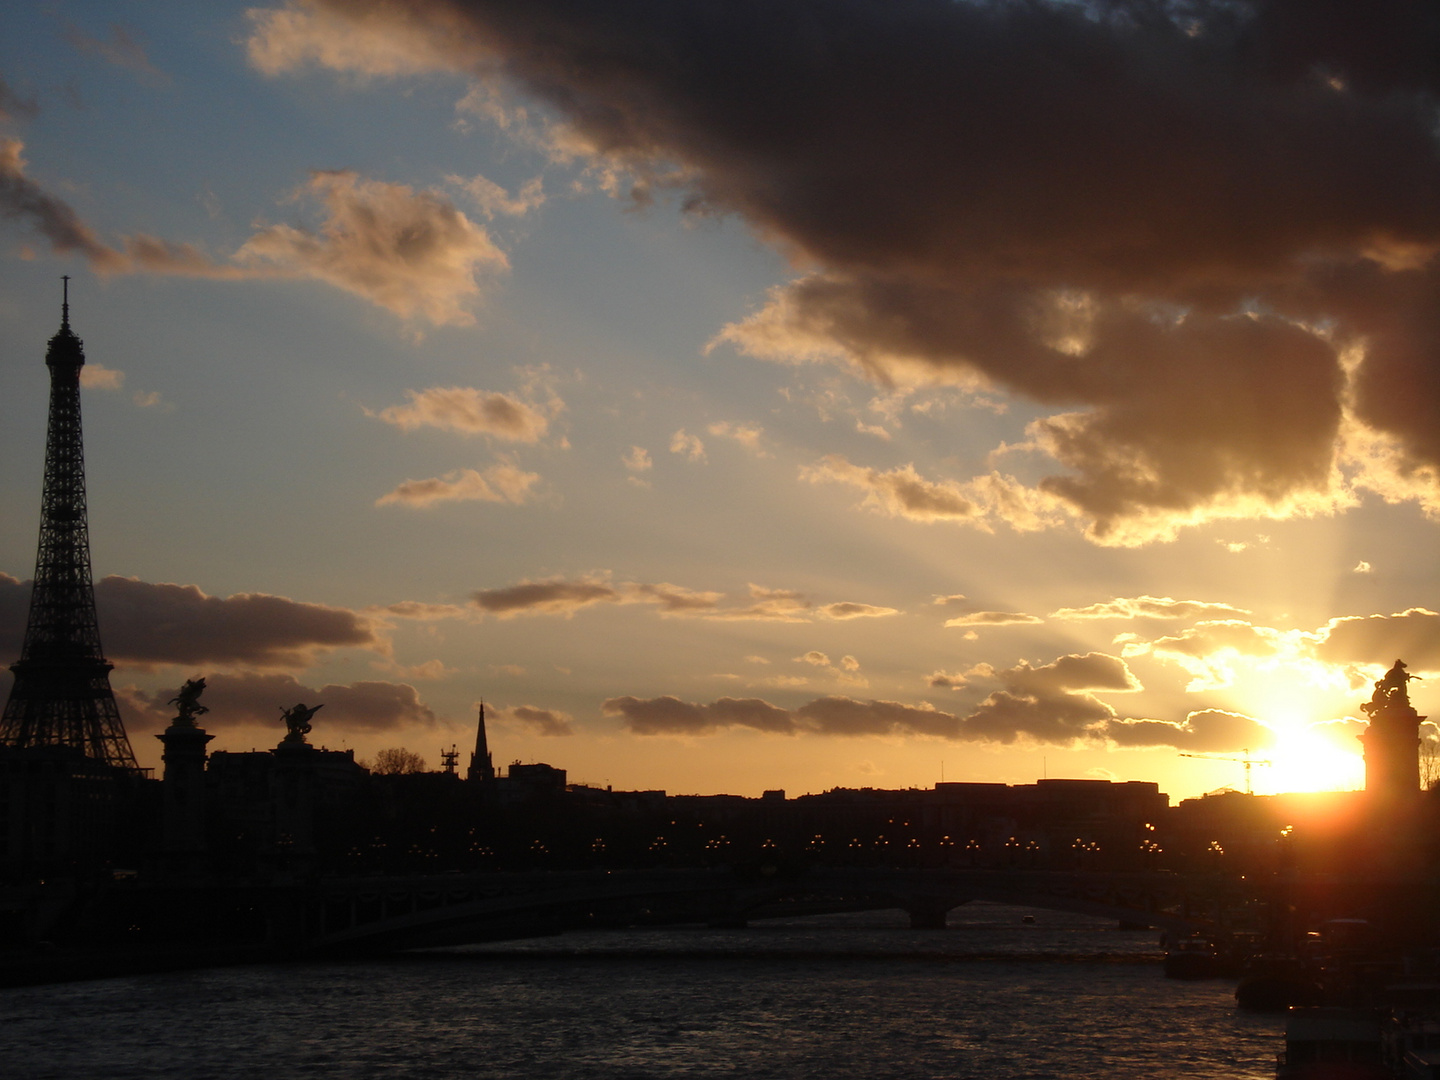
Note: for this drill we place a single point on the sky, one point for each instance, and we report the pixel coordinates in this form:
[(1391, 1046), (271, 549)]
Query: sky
[(742, 395)]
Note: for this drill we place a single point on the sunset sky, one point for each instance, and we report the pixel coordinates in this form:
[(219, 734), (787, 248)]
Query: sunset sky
[(742, 394)]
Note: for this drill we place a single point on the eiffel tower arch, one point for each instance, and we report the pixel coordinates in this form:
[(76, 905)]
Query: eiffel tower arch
[(66, 766)]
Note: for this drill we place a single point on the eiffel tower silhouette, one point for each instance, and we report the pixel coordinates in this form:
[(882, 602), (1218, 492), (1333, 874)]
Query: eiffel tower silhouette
[(61, 697)]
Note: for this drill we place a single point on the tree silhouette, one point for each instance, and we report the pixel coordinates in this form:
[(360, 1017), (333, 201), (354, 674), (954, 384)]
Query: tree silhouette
[(397, 760)]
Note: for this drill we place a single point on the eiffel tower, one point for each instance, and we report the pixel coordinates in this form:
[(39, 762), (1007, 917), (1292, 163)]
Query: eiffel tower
[(61, 697)]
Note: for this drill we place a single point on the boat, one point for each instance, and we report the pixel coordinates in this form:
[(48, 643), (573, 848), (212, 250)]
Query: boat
[(1332, 1044), (1274, 983), (1410, 1045), (1192, 958)]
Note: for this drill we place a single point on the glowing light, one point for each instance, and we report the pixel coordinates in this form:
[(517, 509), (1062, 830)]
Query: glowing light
[(1295, 699), (1306, 758)]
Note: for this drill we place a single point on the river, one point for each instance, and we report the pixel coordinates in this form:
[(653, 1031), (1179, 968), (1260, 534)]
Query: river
[(861, 995)]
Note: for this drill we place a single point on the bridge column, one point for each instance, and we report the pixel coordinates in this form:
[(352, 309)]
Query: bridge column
[(929, 915)]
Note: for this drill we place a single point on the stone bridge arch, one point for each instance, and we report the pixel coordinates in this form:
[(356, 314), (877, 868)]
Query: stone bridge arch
[(388, 914)]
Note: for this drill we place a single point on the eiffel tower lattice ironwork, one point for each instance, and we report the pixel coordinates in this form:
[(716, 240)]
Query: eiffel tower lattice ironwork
[(61, 696)]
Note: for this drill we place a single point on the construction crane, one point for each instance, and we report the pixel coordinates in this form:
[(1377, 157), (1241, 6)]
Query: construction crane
[(1247, 760)]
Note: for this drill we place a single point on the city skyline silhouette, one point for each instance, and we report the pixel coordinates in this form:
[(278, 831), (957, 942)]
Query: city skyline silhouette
[(950, 436)]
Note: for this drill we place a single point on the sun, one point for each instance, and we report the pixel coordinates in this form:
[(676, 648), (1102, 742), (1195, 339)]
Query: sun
[(1308, 757), (1306, 753)]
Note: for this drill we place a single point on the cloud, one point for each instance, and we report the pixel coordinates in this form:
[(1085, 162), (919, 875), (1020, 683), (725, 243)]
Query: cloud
[(248, 699), (747, 435), (770, 605), (505, 482), (1053, 703), (1363, 567), (846, 716), (381, 42), (900, 492), (23, 198), (947, 601), (847, 670), (823, 716), (414, 609), (99, 377), (119, 48), (688, 445), (944, 680), (559, 596), (554, 597), (848, 610), (428, 669), (548, 722), (1208, 638), (1208, 650), (993, 618), (638, 460), (148, 624), (1164, 224), (1206, 731), (410, 252), (1412, 635), (494, 199), (144, 624), (1149, 607), (470, 412), (671, 716), (14, 107)]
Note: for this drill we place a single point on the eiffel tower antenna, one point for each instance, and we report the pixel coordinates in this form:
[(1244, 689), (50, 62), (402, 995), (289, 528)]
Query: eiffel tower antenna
[(61, 696)]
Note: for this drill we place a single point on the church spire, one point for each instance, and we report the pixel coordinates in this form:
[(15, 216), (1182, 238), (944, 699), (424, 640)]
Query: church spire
[(482, 768)]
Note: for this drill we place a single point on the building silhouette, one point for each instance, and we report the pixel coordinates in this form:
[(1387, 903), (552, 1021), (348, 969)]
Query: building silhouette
[(68, 776), (61, 696)]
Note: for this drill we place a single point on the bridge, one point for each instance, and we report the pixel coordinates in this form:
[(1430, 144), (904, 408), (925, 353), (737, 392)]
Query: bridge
[(367, 915)]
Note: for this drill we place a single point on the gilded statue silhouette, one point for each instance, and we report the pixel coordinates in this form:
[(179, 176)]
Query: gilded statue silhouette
[(297, 721), (187, 702), (1392, 690)]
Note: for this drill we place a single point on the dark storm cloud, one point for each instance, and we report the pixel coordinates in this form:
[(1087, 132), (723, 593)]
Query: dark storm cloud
[(1166, 219), (251, 699), (148, 624)]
